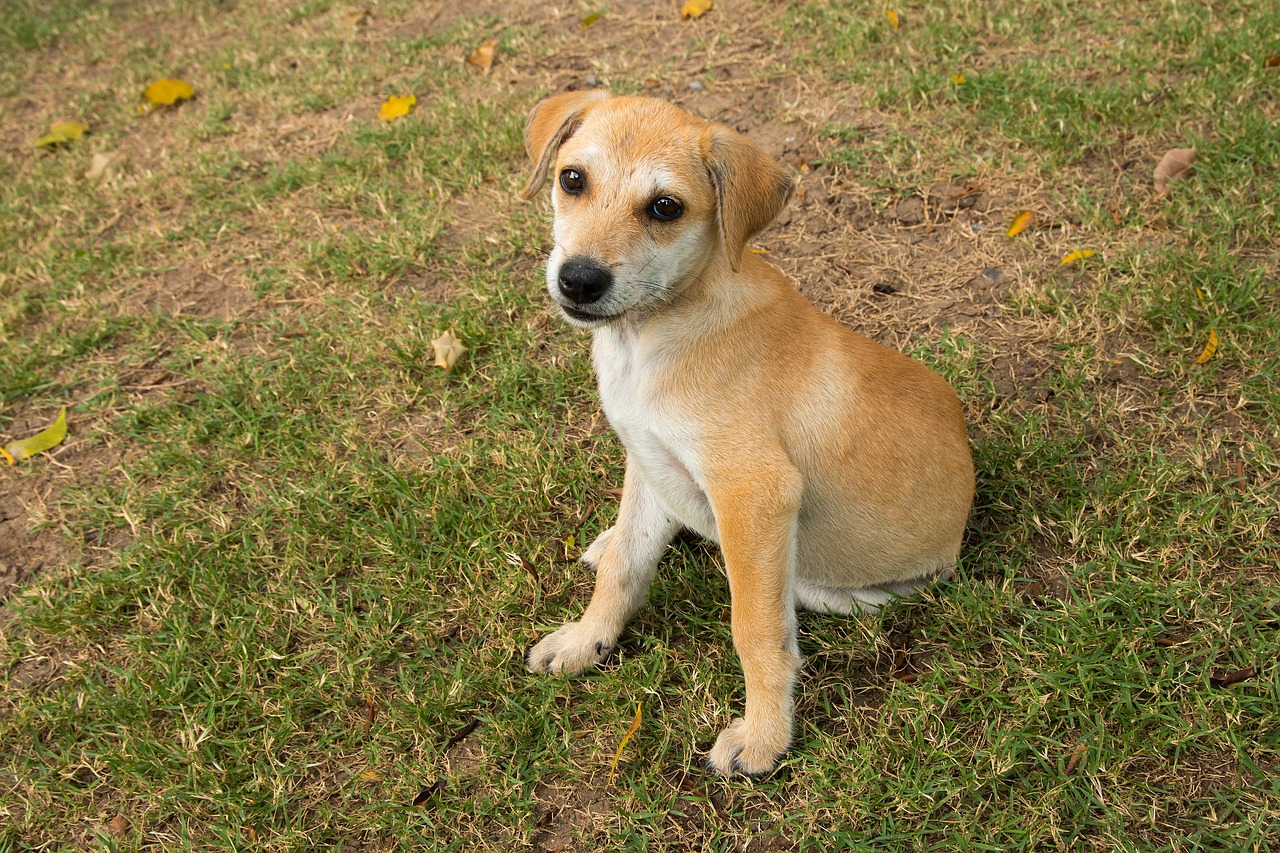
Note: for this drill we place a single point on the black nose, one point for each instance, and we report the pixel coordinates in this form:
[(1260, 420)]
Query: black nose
[(584, 281)]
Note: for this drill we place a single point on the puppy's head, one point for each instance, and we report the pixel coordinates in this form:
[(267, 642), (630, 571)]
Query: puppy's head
[(646, 199)]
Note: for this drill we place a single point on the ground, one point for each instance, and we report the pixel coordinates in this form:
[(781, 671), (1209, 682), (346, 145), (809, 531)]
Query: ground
[(274, 589)]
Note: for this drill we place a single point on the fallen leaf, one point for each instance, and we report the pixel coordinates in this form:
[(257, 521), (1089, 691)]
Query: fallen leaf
[(119, 826), (359, 18), (1074, 761), (892, 16), (482, 56), (369, 775), (167, 92), (105, 166), (695, 8), (1210, 348), (958, 79), (635, 726), (62, 132), (586, 513), (1230, 678), (461, 734), (1175, 164), (1077, 256), (425, 795), (396, 106), (15, 451), (448, 349), (1272, 61), (1020, 223), (591, 19)]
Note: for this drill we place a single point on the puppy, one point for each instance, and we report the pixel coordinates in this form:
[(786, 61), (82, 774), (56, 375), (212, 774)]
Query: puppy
[(834, 473)]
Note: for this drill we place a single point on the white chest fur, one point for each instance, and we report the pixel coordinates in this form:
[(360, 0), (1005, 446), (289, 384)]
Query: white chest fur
[(660, 440)]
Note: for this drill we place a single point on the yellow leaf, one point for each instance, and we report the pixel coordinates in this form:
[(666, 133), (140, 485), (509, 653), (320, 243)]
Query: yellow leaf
[(482, 56), (1020, 223), (396, 106), (635, 726), (61, 132), (52, 436), (369, 775), (892, 16), (448, 350), (1077, 256), (1210, 348), (756, 250), (695, 8), (167, 92), (591, 19), (958, 79)]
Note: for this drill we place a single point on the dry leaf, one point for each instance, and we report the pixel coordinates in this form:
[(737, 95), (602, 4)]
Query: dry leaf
[(1230, 678), (635, 726), (448, 349), (1175, 164), (482, 56), (892, 16), (1074, 761), (16, 451), (591, 19), (119, 826), (167, 92), (1020, 223), (369, 776), (360, 18), (396, 106), (695, 8), (1210, 348), (105, 166), (1272, 61), (1077, 256), (62, 132)]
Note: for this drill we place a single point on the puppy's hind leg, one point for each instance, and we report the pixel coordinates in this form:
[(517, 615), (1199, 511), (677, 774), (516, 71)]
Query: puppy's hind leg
[(625, 558)]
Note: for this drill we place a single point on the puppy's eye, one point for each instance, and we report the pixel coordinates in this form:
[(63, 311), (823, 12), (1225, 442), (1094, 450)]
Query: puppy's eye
[(666, 209), (571, 181)]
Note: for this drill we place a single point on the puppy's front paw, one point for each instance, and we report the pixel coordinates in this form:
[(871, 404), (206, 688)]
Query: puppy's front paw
[(570, 650), (747, 749)]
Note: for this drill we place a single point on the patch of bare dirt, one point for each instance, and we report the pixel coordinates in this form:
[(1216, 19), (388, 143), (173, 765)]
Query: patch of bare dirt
[(571, 818), (190, 289)]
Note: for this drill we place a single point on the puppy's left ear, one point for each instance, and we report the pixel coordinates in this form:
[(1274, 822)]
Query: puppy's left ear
[(553, 121), (751, 188)]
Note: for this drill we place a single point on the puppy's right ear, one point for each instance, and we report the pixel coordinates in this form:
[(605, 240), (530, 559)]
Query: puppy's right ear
[(553, 121)]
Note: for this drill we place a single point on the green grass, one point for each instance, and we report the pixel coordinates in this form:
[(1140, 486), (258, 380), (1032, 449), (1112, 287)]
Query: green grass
[(278, 516)]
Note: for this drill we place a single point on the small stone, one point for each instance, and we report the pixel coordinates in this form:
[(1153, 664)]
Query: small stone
[(992, 273), (696, 86), (884, 288), (592, 80)]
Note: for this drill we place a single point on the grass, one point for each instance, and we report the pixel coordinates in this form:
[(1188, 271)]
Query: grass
[(291, 568)]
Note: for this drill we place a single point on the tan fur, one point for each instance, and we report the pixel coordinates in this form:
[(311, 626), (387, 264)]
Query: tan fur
[(833, 472)]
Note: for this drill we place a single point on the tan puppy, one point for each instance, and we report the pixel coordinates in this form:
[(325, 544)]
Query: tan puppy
[(833, 472)]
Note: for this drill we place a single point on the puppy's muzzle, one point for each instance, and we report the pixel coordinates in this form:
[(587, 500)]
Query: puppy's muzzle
[(583, 281)]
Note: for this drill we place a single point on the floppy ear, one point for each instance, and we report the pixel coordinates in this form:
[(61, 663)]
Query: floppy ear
[(751, 188), (553, 121)]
